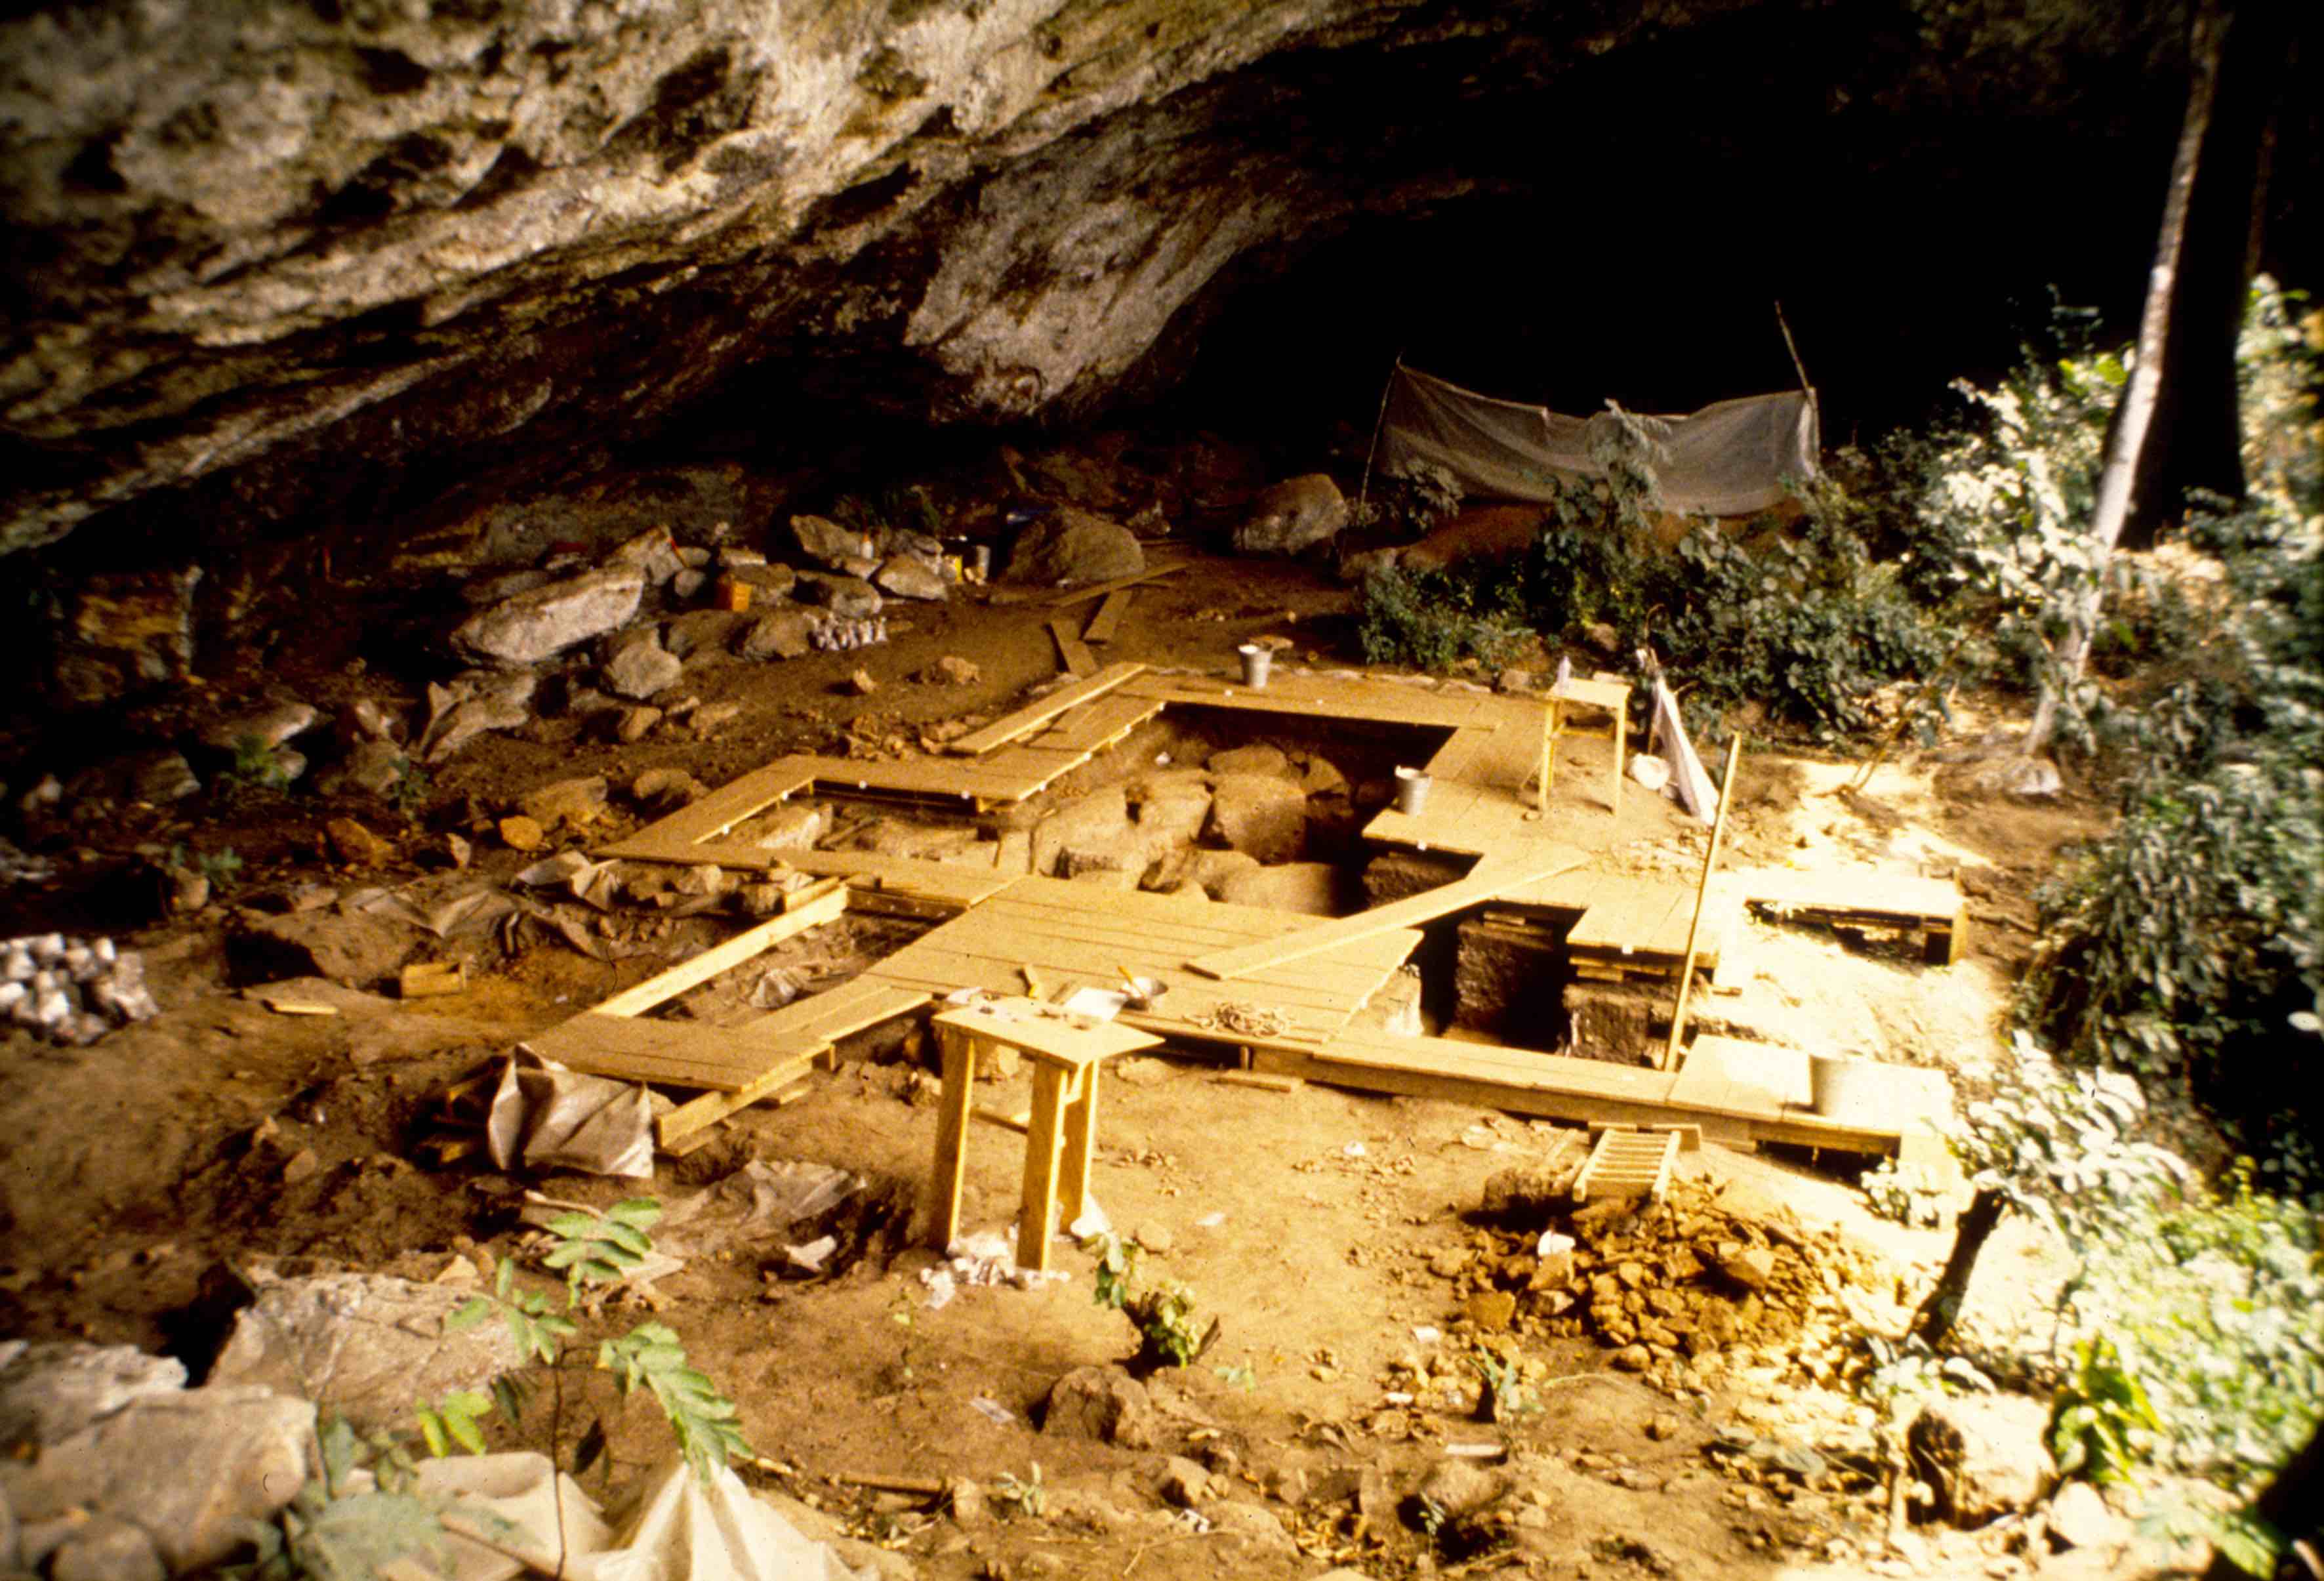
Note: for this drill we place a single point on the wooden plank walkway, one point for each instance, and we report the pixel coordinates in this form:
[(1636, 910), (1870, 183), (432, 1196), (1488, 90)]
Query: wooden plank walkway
[(1033, 714), (1079, 934), (1867, 898), (1554, 1087)]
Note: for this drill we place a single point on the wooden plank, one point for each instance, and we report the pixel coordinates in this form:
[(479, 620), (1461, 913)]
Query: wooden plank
[(1108, 618), (1623, 915), (731, 804), (675, 1053), (1291, 692), (823, 1019), (1093, 724), (1071, 596), (1900, 896), (1032, 717), (701, 1114), (1251, 1078), (999, 966), (1481, 885), (1072, 652), (1551, 1086), (824, 907)]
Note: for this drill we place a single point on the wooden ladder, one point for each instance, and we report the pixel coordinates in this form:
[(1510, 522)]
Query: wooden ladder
[(1628, 1162)]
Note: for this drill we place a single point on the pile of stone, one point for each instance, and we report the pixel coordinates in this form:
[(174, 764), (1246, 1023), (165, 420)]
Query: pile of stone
[(72, 990), (1681, 1290)]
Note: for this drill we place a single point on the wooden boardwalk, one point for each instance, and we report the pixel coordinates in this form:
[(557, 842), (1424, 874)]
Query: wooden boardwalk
[(1074, 935), (1304, 979)]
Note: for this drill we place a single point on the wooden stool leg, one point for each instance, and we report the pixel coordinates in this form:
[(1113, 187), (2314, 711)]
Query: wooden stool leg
[(1621, 740), (1551, 721), (959, 1055), (1081, 1135), (1038, 1216)]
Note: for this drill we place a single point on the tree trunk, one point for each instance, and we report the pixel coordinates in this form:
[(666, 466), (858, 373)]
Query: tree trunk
[(2135, 417), (1935, 1320), (2197, 439)]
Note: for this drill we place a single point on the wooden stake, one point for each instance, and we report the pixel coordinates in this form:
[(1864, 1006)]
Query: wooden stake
[(1702, 894)]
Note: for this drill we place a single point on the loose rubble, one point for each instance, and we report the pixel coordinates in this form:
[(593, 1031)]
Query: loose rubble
[(72, 990)]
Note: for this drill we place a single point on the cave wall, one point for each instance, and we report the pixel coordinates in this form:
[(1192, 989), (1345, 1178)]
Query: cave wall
[(273, 265)]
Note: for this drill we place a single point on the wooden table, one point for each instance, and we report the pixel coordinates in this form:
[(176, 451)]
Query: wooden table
[(1614, 697), (1065, 1051)]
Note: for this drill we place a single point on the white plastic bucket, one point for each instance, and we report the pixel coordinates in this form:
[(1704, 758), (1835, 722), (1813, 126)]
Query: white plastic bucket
[(1411, 790), (1256, 663)]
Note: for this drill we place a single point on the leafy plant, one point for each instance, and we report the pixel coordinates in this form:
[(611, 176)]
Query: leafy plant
[(2052, 1144), (411, 789), (1433, 619), (1026, 1495), (1503, 1392), (602, 1248), (650, 1356), (217, 866), (2102, 1423), (1412, 496), (1163, 1314), (454, 1421), (337, 1529), (258, 764), (2216, 1306)]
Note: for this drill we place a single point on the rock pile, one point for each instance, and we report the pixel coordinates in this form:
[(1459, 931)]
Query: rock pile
[(1688, 1285), (73, 990)]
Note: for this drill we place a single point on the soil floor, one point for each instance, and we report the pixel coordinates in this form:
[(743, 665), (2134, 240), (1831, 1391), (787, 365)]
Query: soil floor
[(1312, 1224)]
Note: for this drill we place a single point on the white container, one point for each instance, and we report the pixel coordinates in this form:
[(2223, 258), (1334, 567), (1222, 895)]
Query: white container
[(1851, 1090), (1256, 663), (1411, 790)]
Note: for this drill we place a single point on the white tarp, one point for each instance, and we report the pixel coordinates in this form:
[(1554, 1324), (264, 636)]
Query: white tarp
[(1729, 459)]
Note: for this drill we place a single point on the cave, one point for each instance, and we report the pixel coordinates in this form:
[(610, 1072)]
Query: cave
[(609, 527)]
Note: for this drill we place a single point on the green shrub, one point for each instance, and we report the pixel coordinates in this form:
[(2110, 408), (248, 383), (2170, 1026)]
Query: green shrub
[(2188, 942), (2214, 1308), (1431, 620)]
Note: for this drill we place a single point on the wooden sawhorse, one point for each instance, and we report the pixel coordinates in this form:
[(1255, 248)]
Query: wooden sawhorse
[(1065, 1051)]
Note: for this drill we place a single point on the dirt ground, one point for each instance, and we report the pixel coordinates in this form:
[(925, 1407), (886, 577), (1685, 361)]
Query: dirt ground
[(1310, 1222)]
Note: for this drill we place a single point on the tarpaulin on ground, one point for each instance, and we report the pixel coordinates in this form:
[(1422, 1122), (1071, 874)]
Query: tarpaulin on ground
[(1729, 459)]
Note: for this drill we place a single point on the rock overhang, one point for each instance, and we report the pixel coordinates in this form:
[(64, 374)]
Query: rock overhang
[(334, 254)]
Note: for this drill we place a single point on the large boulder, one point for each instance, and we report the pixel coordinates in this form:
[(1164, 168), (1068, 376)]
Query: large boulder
[(843, 598), (1065, 842), (1297, 514), (641, 670), (173, 1475), (1071, 546), (1262, 816), (50, 1390), (354, 948), (1103, 1403), (911, 576), (1983, 1455), (787, 634), (366, 1346), (545, 621), (1310, 888)]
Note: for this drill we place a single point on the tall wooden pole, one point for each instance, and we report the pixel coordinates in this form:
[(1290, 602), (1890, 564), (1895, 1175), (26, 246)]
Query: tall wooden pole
[(1701, 892)]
